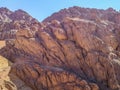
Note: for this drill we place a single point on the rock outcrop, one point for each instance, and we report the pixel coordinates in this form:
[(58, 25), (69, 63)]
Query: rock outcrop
[(74, 49), (11, 22), (9, 81)]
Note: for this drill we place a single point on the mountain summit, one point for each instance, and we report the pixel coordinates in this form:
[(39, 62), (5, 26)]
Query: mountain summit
[(73, 49), (86, 13)]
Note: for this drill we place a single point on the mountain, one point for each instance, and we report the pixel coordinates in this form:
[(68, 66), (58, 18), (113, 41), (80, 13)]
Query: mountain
[(73, 49), (86, 13), (11, 22)]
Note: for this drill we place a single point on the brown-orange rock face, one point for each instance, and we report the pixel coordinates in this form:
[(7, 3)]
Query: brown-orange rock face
[(73, 53)]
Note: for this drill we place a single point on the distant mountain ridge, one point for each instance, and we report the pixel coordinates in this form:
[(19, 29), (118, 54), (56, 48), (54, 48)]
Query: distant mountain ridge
[(86, 13), (16, 15)]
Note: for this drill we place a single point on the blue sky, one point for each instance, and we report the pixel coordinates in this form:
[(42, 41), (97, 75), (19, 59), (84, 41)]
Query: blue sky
[(41, 9)]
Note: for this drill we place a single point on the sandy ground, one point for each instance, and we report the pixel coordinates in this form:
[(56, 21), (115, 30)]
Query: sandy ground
[(2, 44)]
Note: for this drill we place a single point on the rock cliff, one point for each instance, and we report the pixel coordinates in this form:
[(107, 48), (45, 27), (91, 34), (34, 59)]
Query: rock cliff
[(74, 49)]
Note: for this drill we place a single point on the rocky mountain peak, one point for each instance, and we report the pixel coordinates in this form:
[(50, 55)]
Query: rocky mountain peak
[(21, 15), (4, 10), (11, 22), (86, 13), (6, 14), (111, 9)]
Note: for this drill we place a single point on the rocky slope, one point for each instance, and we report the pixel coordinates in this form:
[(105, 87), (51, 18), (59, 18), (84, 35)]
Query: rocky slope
[(11, 22), (9, 81), (74, 49)]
